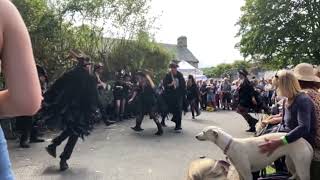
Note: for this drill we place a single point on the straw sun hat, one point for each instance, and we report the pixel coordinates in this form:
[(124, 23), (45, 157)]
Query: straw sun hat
[(306, 72)]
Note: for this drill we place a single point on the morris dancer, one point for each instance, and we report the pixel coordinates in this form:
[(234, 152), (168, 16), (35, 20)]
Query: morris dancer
[(175, 91), (69, 104), (146, 102)]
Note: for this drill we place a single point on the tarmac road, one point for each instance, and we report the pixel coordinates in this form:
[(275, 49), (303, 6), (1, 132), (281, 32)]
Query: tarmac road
[(118, 153)]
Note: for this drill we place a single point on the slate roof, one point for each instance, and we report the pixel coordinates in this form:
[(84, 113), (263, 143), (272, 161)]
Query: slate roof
[(182, 53)]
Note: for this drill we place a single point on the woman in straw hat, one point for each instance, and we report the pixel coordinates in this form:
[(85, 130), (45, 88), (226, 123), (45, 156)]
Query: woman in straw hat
[(309, 83), (318, 74), (69, 105)]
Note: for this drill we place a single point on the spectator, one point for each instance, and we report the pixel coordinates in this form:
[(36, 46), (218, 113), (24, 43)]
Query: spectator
[(211, 89), (299, 116), (204, 93), (318, 74), (226, 94), (234, 94), (309, 82), (20, 76), (268, 88), (218, 95)]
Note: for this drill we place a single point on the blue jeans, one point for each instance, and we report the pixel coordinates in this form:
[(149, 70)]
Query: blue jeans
[(5, 165), (211, 98)]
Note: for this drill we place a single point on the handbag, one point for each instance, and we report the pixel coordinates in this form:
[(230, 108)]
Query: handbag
[(267, 128), (282, 124)]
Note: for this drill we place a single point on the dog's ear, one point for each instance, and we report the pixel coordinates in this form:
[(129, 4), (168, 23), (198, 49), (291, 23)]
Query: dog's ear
[(224, 163), (214, 132), (225, 166)]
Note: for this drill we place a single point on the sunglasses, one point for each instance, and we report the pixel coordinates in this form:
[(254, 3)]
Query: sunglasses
[(276, 75)]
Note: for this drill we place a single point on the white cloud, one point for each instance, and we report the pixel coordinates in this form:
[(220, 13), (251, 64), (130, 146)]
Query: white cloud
[(208, 24)]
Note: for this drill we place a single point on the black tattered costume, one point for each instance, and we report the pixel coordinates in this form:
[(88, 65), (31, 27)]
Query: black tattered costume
[(174, 96), (146, 102), (69, 105)]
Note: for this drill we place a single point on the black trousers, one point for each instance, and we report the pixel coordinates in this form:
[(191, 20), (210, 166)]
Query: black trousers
[(204, 102), (194, 105), (244, 112), (68, 149), (177, 111), (24, 125)]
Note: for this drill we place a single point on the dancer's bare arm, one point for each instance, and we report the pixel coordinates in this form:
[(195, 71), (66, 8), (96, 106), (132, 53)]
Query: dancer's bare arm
[(23, 94)]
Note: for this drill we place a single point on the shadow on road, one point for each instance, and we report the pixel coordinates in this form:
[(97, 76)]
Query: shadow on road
[(51, 170), (72, 173), (205, 122)]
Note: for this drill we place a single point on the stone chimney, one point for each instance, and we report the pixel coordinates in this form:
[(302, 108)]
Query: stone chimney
[(182, 41)]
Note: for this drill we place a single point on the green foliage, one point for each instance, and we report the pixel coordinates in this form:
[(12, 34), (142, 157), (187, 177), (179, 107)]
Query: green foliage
[(280, 32), (57, 26), (140, 54), (223, 70)]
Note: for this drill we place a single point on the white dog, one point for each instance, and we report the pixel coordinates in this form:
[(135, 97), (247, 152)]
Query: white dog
[(245, 154)]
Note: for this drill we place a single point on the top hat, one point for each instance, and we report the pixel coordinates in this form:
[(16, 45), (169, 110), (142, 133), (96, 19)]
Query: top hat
[(173, 64)]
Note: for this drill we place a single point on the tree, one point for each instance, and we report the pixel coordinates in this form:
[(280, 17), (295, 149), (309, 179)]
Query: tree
[(57, 26), (280, 32), (226, 70), (141, 54)]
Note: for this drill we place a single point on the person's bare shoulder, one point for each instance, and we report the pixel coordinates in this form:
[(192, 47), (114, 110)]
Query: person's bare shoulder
[(8, 13)]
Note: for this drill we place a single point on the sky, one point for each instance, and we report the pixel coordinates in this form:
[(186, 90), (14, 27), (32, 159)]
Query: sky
[(208, 24)]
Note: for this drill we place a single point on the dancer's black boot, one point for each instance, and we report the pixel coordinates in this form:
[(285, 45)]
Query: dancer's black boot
[(63, 165), (52, 150), (163, 122), (160, 130), (138, 128)]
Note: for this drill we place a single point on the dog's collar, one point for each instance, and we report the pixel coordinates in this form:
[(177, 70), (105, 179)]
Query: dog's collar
[(225, 151)]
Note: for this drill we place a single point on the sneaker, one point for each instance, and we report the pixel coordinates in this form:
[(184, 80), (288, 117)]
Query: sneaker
[(52, 151)]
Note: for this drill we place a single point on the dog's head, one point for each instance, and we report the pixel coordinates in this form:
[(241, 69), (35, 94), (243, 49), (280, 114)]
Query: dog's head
[(207, 168), (210, 133)]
